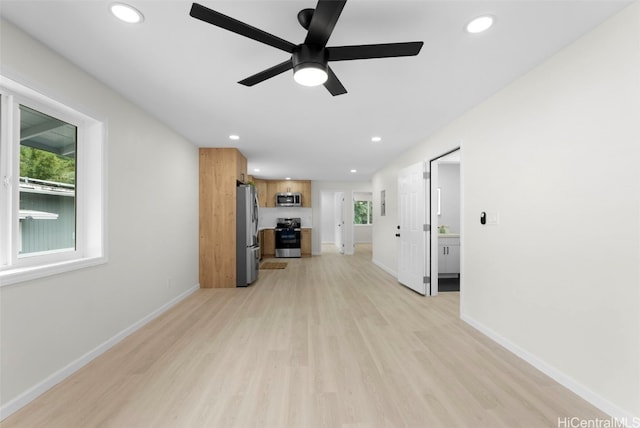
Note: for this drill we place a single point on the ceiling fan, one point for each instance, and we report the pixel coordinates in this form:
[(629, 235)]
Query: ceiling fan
[(309, 60)]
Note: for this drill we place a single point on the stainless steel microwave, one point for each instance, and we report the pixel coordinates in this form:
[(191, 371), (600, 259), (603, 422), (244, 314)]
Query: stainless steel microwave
[(288, 199)]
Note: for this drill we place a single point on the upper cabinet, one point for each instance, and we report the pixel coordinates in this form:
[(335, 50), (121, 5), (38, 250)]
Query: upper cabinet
[(261, 188), (285, 186), (267, 190)]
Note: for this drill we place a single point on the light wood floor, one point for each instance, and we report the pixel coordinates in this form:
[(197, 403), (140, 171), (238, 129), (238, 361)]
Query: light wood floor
[(330, 341)]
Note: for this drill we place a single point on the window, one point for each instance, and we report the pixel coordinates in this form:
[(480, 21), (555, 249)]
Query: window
[(51, 188), (47, 191), (362, 212)]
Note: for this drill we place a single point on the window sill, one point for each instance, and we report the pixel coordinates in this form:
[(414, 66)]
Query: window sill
[(14, 276)]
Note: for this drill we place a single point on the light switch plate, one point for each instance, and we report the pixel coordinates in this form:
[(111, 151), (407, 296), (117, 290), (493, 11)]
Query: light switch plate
[(492, 218)]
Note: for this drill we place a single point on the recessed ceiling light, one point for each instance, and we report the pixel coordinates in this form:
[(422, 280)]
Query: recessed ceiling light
[(376, 139), (353, 171), (234, 137), (256, 169), (480, 24), (287, 178), (126, 13)]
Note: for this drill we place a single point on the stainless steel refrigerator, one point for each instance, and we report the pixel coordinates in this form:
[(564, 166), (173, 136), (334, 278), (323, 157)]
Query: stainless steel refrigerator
[(247, 248)]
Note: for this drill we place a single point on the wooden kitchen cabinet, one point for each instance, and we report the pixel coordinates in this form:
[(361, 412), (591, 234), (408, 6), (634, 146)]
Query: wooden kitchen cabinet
[(261, 189), (268, 243), (305, 242), (285, 186), (220, 169), (272, 188), (304, 187)]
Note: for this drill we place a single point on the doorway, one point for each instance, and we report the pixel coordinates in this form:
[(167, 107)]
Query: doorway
[(332, 228), (338, 219), (446, 220), (362, 220)]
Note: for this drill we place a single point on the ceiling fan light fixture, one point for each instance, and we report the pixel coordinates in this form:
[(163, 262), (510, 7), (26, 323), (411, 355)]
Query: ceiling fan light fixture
[(310, 75), (480, 24), (126, 13), (310, 65), (308, 60)]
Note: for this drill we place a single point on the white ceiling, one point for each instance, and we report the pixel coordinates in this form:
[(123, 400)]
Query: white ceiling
[(184, 71)]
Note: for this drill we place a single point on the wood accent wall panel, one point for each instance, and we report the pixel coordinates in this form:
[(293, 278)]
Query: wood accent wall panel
[(241, 168), (219, 170)]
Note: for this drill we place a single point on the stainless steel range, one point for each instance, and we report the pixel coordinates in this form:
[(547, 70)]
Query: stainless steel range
[(288, 234)]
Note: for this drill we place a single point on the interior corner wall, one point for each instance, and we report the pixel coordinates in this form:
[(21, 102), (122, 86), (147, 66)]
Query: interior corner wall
[(50, 324), (555, 155)]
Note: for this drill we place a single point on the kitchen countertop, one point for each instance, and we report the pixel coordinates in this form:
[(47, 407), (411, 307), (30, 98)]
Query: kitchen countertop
[(448, 235), (273, 227)]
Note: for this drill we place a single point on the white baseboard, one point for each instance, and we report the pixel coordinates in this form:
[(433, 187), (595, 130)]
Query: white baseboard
[(40, 388), (384, 268), (601, 403)]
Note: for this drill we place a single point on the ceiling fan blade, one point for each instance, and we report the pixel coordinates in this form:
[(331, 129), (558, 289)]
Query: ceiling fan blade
[(223, 21), (384, 50), (267, 74), (333, 85), (324, 19)]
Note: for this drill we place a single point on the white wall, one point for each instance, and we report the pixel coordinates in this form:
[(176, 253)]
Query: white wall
[(327, 218), (348, 187), (49, 326), (556, 154), (362, 233), (449, 184)]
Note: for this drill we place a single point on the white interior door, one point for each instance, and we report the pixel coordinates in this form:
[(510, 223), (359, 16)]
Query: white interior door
[(339, 221), (434, 220), (411, 204)]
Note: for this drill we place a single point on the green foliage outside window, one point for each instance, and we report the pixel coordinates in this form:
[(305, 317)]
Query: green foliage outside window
[(362, 212), (43, 165)]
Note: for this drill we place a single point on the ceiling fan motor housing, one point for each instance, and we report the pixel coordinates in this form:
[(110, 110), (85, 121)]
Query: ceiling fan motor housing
[(309, 56)]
